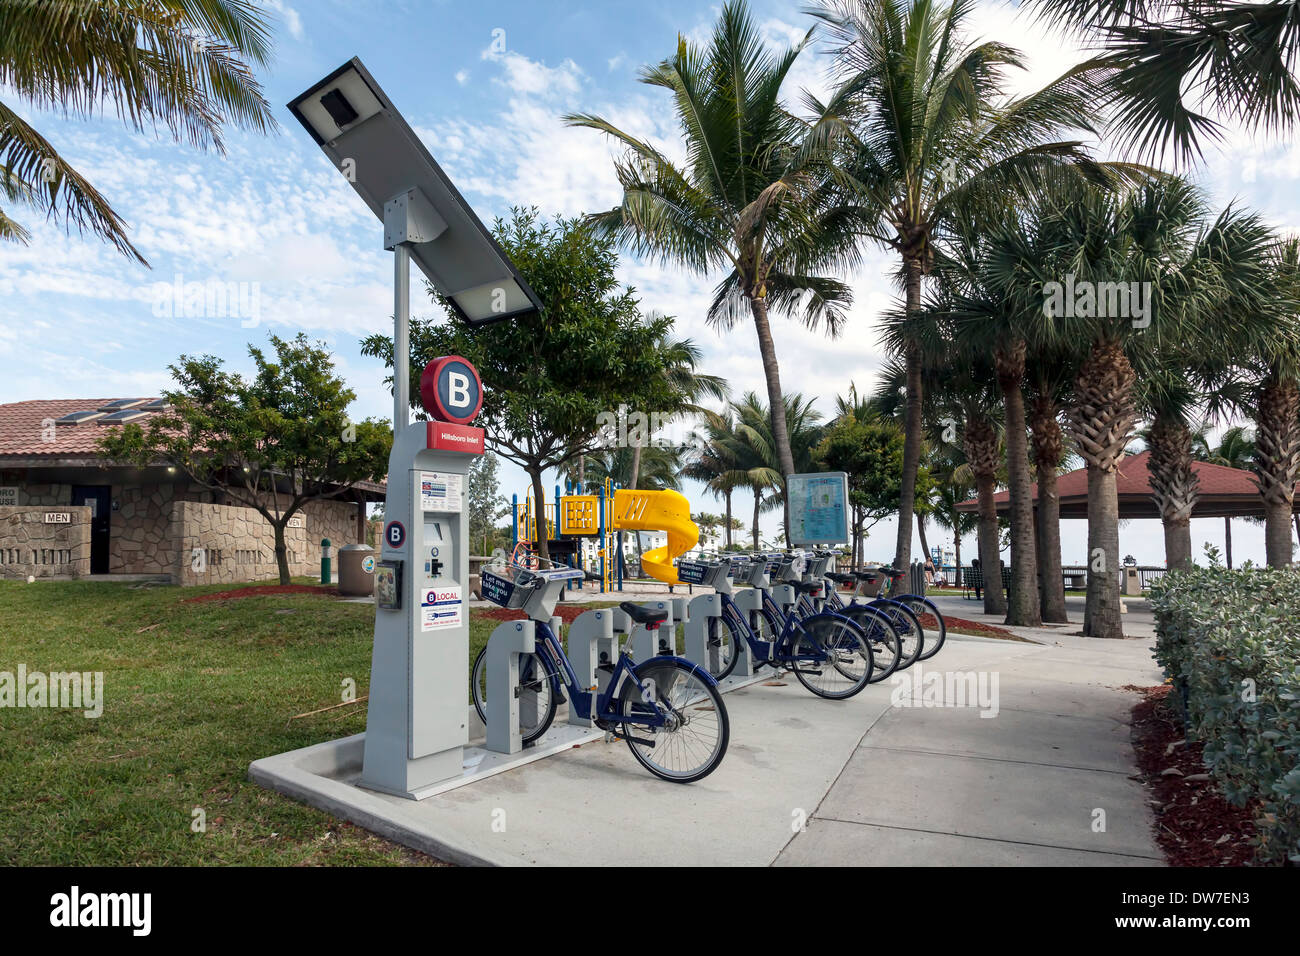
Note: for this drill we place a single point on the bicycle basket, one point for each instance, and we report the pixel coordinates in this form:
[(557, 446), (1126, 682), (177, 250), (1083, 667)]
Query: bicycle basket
[(691, 572), (504, 586)]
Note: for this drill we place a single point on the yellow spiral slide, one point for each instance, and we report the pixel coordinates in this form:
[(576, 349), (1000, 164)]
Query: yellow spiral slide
[(665, 511)]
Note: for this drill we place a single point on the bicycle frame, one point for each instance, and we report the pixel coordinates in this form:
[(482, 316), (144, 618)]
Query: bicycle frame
[(770, 652), (581, 698)]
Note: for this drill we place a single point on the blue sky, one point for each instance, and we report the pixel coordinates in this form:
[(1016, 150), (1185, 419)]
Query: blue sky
[(77, 319)]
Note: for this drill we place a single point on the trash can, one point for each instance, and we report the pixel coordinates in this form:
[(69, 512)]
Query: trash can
[(356, 569)]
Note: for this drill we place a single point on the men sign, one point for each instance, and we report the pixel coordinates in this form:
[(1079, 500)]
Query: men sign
[(451, 390)]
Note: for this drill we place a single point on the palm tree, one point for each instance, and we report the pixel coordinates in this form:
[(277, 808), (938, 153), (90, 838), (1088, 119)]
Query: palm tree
[(1049, 377), (712, 460), (755, 197), (707, 523), (1160, 238), (953, 484), (933, 131), (1166, 60), (185, 65), (995, 319), (755, 450), (1276, 409), (1236, 449), (684, 386), (961, 400), (1170, 398)]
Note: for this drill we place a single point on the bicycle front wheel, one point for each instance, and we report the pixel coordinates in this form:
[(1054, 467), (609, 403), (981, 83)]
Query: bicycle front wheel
[(910, 632), (928, 617), (882, 635), (538, 696), (692, 740), (832, 656)]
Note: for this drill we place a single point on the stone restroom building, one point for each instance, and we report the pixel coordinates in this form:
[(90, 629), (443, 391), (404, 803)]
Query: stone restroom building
[(66, 512)]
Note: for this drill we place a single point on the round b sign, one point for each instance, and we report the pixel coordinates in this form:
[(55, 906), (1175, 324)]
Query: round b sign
[(451, 390)]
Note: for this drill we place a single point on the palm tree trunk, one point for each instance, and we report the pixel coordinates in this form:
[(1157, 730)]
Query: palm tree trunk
[(1101, 420), (1051, 577), (1102, 614), (1227, 539), (1174, 486), (758, 495), (1047, 439), (995, 599), (920, 529), (911, 424), (956, 555), (1023, 608), (727, 497), (776, 401), (1277, 459)]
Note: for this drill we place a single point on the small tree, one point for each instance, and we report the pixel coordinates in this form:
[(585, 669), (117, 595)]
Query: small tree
[(871, 454), (272, 443), (485, 504)]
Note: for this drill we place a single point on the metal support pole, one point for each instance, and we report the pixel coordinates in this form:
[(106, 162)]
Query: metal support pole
[(401, 336)]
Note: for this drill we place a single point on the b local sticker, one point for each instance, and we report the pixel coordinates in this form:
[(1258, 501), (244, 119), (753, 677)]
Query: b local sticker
[(440, 608)]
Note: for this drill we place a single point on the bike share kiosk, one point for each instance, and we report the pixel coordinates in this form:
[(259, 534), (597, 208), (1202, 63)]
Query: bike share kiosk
[(416, 722)]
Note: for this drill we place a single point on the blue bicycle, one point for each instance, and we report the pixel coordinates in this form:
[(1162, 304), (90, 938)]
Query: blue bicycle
[(882, 629), (668, 710), (828, 653), (929, 620)]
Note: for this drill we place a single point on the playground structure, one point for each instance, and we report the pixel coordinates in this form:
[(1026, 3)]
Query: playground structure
[(601, 516)]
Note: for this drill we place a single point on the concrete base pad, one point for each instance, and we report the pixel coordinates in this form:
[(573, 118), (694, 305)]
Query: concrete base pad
[(805, 781)]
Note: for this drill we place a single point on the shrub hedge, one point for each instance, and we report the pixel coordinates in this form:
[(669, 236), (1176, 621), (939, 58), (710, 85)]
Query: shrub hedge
[(1230, 642)]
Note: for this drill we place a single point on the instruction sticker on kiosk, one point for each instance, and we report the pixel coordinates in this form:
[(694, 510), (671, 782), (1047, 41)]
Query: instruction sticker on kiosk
[(440, 491), (441, 607)]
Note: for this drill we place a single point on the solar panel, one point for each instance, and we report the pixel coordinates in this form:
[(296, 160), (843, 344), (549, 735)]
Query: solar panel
[(121, 403), (127, 415), (74, 418)]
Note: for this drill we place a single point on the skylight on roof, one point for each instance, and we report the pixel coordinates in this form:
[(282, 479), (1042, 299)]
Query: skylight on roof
[(121, 403), (76, 418), (126, 415)]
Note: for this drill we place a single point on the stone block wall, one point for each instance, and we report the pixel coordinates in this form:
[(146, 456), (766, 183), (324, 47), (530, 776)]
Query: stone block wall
[(141, 538), (30, 547), (236, 543)]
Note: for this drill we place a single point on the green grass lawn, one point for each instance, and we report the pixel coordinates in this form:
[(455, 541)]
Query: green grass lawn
[(193, 693)]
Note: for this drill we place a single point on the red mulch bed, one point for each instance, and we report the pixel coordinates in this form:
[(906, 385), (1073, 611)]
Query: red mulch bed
[(1195, 825), (968, 627), (260, 591), (567, 613)]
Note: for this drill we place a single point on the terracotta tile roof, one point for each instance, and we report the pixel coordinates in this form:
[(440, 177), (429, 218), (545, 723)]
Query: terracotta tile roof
[(1221, 490), (22, 433)]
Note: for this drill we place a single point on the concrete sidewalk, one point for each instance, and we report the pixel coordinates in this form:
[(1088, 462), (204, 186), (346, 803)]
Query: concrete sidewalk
[(1032, 785), (871, 781)]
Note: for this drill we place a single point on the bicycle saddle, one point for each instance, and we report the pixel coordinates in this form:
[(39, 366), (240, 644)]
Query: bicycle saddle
[(891, 572), (808, 587), (643, 615), (840, 578)]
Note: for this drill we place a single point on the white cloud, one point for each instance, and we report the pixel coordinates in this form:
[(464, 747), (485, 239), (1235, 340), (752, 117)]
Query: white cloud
[(289, 16), (462, 77)]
